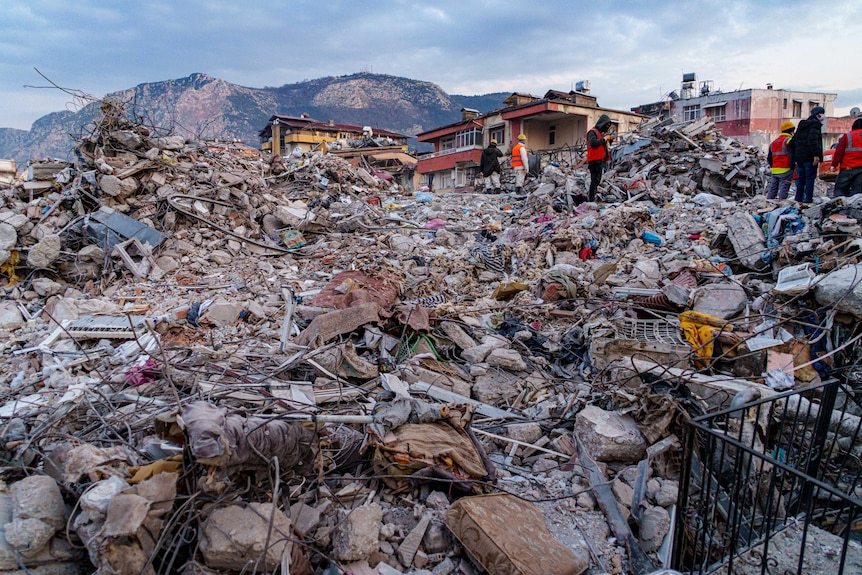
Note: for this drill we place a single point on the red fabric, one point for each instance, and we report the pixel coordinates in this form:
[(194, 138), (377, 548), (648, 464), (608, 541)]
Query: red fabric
[(780, 157), (599, 152), (848, 154)]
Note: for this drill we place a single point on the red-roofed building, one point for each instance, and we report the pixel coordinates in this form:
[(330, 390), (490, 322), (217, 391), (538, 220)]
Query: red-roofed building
[(556, 121)]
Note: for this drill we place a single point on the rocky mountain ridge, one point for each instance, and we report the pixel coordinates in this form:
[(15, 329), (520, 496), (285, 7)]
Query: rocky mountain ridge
[(202, 106)]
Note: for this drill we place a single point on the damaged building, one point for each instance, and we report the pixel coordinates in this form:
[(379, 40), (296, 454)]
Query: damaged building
[(216, 363)]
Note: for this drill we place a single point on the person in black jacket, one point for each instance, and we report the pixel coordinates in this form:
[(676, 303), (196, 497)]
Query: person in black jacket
[(806, 152), (489, 165)]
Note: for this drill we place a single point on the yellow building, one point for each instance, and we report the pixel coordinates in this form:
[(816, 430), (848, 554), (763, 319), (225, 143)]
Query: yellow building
[(284, 134)]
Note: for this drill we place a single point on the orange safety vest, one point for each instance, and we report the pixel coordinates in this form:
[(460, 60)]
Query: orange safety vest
[(780, 156), (853, 152), (516, 156), (597, 153)]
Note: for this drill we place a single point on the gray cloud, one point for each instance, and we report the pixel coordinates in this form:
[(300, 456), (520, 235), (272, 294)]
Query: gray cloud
[(632, 52)]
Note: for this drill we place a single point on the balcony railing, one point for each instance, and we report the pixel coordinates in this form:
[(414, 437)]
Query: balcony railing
[(450, 151)]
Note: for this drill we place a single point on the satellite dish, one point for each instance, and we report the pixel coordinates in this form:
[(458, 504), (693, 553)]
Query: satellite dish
[(673, 95), (854, 111)]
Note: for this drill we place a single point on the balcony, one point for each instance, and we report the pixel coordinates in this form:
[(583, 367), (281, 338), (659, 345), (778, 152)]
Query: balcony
[(450, 151)]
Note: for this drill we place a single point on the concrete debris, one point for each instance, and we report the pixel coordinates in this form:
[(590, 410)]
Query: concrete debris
[(243, 363)]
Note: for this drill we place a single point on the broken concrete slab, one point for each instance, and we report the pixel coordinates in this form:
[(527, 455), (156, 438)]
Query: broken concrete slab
[(610, 436), (235, 537), (356, 537)]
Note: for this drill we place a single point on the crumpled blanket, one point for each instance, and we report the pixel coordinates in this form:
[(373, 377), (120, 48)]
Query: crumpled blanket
[(237, 442)]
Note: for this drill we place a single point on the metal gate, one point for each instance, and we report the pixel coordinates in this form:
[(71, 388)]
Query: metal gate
[(773, 486)]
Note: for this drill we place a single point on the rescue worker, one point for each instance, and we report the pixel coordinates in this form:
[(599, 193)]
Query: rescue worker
[(597, 152), (806, 149), (489, 165), (520, 162), (781, 163), (848, 157)]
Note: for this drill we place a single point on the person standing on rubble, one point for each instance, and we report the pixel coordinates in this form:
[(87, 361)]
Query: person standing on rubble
[(489, 165), (806, 153), (598, 140), (779, 160), (520, 162), (848, 157)]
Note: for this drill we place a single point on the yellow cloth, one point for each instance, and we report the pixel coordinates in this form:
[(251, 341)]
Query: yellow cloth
[(173, 464), (701, 329)]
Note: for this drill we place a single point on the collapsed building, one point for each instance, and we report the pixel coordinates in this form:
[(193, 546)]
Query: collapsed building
[(220, 364)]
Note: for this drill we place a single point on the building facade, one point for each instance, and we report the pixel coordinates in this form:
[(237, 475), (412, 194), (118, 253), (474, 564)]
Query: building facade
[(752, 116), (284, 134), (556, 121)]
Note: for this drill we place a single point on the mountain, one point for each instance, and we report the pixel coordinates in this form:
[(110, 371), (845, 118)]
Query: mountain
[(201, 106)]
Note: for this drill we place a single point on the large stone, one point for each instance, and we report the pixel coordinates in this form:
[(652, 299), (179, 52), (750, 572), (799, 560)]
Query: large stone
[(221, 313), (410, 545), (169, 142), (436, 539), (356, 536), (45, 252), (842, 289), (233, 538), (480, 352), (10, 316), (506, 358), (723, 300), (127, 138), (17, 221), (8, 237), (167, 264), (529, 432), (221, 257), (129, 186), (111, 185), (46, 287), (495, 388), (38, 497), (655, 523), (305, 518), (457, 334), (92, 253), (609, 436)]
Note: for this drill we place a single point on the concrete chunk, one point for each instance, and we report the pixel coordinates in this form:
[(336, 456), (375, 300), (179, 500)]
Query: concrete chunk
[(610, 436), (356, 537), (233, 538)]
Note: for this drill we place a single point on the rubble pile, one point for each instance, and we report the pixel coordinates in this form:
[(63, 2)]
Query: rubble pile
[(218, 364)]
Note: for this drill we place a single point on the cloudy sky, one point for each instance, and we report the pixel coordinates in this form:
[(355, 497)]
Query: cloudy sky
[(631, 52)]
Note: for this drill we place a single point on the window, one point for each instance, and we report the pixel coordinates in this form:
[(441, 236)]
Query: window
[(690, 113), (552, 135), (447, 143), (785, 103), (499, 134), (797, 109), (469, 137), (717, 113), (812, 105)]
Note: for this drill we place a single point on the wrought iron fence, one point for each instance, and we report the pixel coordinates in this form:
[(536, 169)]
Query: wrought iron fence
[(773, 487)]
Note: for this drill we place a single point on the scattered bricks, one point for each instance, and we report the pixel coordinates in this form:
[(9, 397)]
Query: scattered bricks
[(609, 436), (356, 536)]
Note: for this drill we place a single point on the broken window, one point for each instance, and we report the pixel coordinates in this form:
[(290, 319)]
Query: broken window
[(552, 135), (690, 113), (797, 109), (717, 113)]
